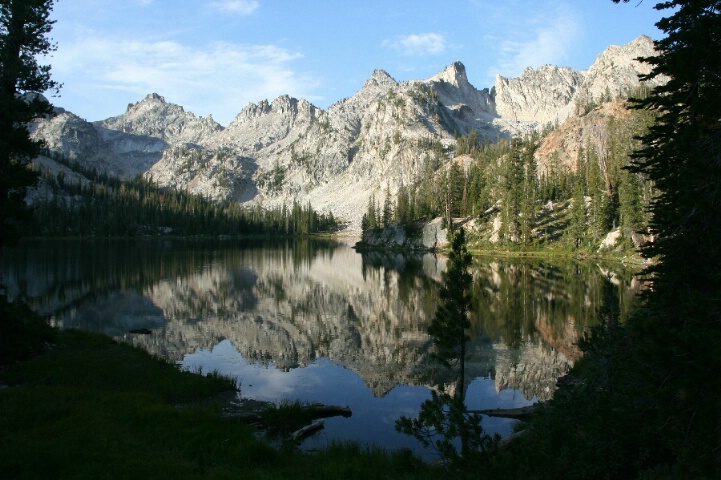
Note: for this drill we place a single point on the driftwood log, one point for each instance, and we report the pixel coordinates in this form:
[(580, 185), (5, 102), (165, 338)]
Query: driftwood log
[(317, 411), (306, 431), (251, 412)]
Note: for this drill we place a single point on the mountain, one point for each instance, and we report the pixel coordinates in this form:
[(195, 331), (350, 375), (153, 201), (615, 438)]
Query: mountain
[(382, 137)]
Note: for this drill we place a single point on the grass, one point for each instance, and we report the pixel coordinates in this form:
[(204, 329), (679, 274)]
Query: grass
[(286, 417), (22, 336), (90, 407)]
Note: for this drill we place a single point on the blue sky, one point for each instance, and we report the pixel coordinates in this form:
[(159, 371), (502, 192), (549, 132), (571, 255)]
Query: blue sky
[(216, 56)]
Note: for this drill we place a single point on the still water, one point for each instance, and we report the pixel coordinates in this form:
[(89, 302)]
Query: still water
[(318, 322)]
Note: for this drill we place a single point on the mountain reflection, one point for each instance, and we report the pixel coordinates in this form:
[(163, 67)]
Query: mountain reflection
[(290, 303)]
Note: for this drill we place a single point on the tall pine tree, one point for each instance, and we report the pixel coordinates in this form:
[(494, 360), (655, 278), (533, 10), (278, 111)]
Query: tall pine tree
[(647, 403), (24, 25), (450, 322)]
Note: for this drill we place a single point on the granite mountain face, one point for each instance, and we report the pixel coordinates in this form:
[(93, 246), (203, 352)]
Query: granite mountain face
[(382, 137)]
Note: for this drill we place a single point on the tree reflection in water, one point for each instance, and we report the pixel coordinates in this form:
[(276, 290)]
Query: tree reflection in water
[(288, 304)]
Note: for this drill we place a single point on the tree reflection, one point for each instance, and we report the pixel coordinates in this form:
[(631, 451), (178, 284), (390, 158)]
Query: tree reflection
[(444, 417), (286, 303)]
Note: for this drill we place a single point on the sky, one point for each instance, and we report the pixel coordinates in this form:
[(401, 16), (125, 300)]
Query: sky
[(217, 56)]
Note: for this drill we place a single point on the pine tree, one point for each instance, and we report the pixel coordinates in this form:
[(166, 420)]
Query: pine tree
[(403, 210), (629, 202), (529, 193), (372, 213), (647, 403), (387, 215), (456, 181), (513, 191), (24, 25), (450, 322), (577, 227)]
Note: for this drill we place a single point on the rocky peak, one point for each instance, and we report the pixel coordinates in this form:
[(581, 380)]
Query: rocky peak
[(379, 83), (455, 74), (553, 94), (153, 96), (544, 95), (380, 78), (152, 101), (468, 107), (288, 104), (154, 117), (281, 107), (615, 71)]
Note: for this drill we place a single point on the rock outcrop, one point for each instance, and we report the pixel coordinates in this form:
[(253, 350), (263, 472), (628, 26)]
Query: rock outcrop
[(433, 236), (540, 96)]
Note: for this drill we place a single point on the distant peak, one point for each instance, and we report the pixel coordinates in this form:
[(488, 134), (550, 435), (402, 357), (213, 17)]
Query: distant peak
[(642, 41), (155, 96), (455, 74), (641, 45), (149, 98), (381, 77), (284, 99)]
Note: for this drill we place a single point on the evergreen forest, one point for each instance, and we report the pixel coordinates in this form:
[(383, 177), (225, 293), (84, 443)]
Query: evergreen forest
[(88, 203)]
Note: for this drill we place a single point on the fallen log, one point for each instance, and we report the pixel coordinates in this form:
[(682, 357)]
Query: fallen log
[(517, 413), (306, 431)]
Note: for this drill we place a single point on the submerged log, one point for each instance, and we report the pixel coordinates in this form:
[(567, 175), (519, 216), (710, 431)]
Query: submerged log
[(306, 431), (517, 413)]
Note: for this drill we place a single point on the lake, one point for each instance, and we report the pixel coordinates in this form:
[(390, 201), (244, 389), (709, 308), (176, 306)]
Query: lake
[(317, 321)]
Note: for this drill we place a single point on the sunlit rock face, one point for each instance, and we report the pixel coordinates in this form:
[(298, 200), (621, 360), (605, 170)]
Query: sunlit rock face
[(551, 94), (433, 236), (284, 150), (154, 117), (540, 96)]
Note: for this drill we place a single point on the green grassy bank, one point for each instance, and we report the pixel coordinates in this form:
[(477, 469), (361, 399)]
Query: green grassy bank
[(81, 405)]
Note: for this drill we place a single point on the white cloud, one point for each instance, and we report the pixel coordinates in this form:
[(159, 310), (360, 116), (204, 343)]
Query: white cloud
[(218, 79), (418, 44), (546, 39), (242, 7)]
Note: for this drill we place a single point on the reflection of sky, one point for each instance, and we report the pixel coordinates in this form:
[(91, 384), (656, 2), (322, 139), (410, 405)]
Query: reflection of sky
[(373, 420)]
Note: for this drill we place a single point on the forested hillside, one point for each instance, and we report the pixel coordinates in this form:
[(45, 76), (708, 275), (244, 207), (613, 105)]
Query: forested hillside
[(83, 202), (567, 185)]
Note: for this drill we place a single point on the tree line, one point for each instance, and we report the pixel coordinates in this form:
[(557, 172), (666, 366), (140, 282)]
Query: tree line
[(93, 203)]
